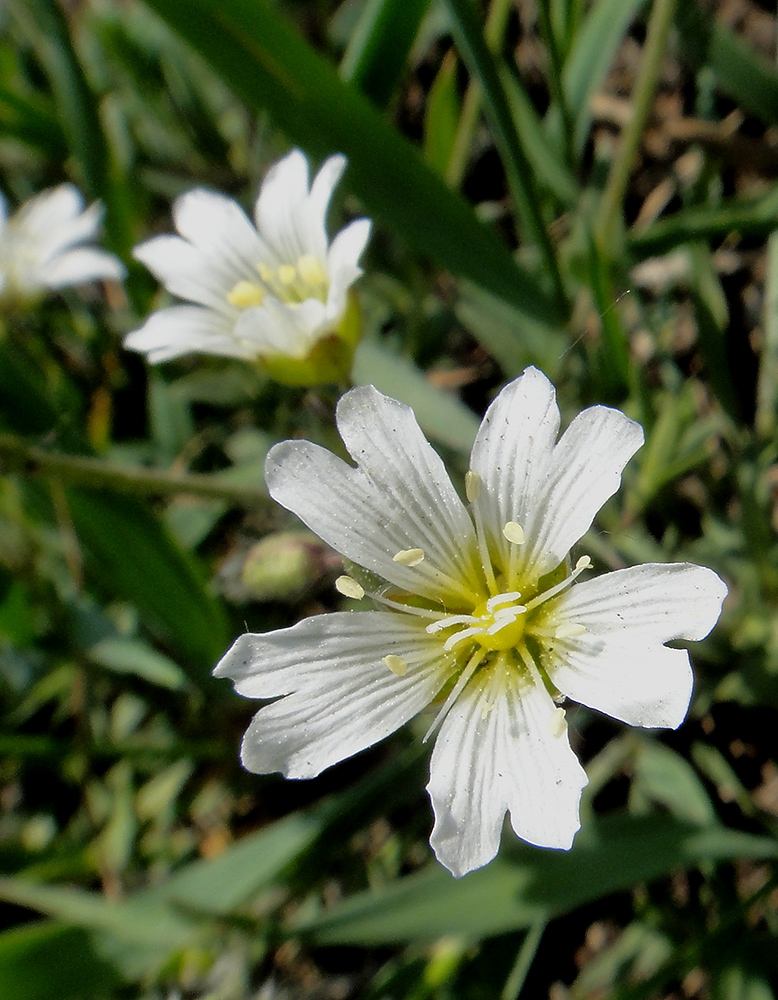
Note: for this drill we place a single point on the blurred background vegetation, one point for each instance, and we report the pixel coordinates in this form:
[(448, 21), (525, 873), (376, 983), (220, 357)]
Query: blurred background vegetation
[(585, 186)]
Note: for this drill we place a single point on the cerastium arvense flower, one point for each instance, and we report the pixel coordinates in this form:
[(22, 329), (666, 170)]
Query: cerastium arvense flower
[(480, 614), (278, 293)]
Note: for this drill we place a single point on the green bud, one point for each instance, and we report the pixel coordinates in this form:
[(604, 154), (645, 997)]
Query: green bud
[(286, 565)]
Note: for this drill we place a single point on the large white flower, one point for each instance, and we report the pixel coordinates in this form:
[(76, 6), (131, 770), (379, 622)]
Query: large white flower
[(40, 246), (478, 609), (271, 292)]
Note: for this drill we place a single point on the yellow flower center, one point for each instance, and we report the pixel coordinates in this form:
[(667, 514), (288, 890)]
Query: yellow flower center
[(291, 283)]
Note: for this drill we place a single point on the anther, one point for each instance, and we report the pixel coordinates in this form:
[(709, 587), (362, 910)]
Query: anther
[(409, 557), (583, 563), (286, 274), (488, 707), (396, 664), (472, 487), (245, 294), (514, 533), (311, 270), (349, 588)]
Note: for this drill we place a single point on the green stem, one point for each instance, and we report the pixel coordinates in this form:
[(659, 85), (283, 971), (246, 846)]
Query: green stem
[(555, 75), (482, 65), (529, 946), (20, 457), (496, 20), (612, 203)]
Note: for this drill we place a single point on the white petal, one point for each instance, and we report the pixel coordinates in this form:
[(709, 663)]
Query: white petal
[(170, 333), (585, 470), (284, 188), (336, 696), (80, 265), (276, 327), (620, 665), (55, 208), (310, 217), (222, 232), (512, 454), (189, 273), (399, 497), (343, 259), (500, 748)]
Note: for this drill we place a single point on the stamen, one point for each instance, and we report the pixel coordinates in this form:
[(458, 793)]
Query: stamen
[(583, 563), (311, 270), (495, 602), (472, 487), (455, 692), (396, 664), (349, 588), (407, 608), (409, 557), (457, 637), (514, 533), (245, 294), (438, 626), (488, 707), (286, 274)]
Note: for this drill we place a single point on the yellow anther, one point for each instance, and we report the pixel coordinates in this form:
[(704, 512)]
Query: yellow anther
[(286, 274), (583, 563), (265, 273), (488, 707), (472, 487), (311, 270), (514, 533), (245, 294), (569, 630), (557, 723), (409, 557), (349, 588), (396, 664)]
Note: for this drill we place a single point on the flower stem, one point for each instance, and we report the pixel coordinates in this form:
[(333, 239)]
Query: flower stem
[(20, 457), (612, 202)]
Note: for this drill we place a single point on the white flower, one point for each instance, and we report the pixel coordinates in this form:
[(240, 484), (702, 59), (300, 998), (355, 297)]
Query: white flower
[(271, 293), (479, 609), (40, 245)]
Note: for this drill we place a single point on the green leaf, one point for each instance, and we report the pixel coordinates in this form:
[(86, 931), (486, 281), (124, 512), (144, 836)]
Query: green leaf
[(513, 340), (590, 58), (131, 551), (441, 415), (746, 216), (527, 884), (665, 777), (378, 49), (441, 116), (521, 179), (270, 67), (130, 656), (46, 960), (750, 80)]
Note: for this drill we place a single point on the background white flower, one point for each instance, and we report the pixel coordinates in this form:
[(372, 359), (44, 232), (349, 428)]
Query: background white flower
[(480, 610), (273, 291), (40, 245)]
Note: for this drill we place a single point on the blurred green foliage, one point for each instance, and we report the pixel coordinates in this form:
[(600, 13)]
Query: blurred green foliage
[(138, 859)]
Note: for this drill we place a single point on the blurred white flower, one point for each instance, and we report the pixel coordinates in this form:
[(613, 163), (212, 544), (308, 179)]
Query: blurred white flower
[(479, 611), (273, 292), (40, 246)]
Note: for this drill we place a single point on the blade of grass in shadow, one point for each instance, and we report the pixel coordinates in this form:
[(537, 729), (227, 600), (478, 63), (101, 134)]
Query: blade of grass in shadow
[(521, 181), (269, 66), (739, 72), (379, 45), (589, 61), (45, 24), (747, 216), (767, 386)]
